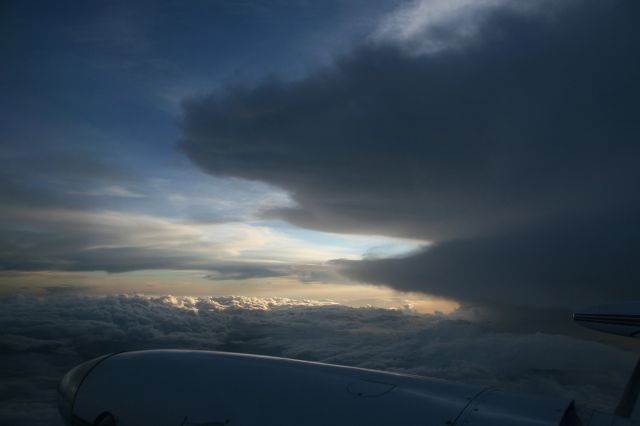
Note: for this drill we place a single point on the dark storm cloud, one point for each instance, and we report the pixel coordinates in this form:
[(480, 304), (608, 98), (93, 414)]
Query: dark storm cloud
[(42, 338), (566, 262), (516, 155)]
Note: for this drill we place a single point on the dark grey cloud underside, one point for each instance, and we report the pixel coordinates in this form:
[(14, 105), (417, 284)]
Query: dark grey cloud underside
[(564, 263), (517, 155)]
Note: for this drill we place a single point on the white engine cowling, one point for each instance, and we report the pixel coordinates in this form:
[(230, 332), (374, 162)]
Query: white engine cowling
[(173, 387)]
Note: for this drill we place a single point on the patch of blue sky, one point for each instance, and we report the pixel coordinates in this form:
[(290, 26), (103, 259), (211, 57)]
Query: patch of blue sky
[(350, 245)]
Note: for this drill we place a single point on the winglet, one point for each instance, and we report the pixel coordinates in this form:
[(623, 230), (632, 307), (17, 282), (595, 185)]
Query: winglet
[(621, 318)]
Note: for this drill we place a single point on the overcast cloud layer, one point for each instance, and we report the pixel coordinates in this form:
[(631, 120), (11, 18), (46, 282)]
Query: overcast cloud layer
[(516, 154), (43, 338)]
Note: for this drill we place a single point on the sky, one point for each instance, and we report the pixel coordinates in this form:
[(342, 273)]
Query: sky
[(461, 172)]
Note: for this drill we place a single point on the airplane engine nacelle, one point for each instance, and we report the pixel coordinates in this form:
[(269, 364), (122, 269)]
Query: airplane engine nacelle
[(183, 388)]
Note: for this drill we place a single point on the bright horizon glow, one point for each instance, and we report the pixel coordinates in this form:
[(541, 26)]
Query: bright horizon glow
[(192, 283)]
